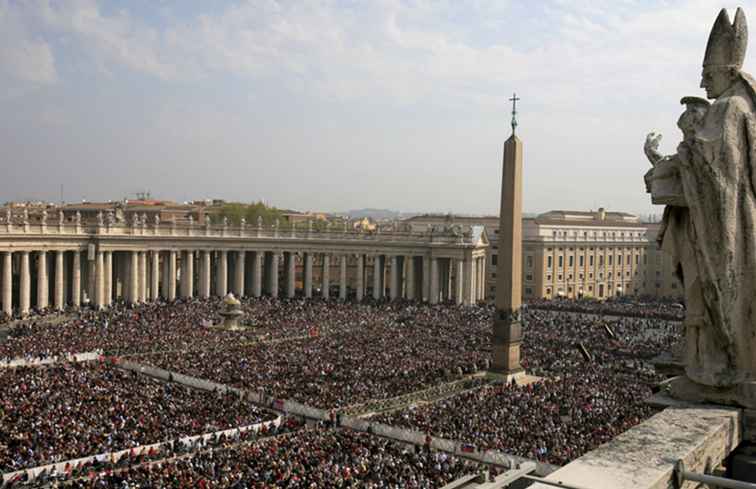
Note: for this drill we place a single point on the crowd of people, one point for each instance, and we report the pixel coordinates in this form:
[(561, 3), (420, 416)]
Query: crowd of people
[(586, 396), (595, 373), (617, 306), (72, 410), (317, 458), (180, 325), (397, 349)]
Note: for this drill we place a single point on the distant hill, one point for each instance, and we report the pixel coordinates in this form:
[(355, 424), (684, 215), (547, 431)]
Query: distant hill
[(376, 214)]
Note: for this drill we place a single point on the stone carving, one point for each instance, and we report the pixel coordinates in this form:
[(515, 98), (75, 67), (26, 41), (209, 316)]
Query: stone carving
[(243, 222), (157, 220), (26, 217), (61, 218), (144, 219), (110, 218), (709, 225), (43, 218), (259, 221), (100, 219), (191, 220), (225, 222), (77, 218), (8, 215)]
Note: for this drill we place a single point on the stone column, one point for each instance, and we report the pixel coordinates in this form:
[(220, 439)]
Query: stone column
[(99, 297), (8, 283), (204, 275), (143, 276), (343, 277), (187, 275), (459, 283), (482, 278), (274, 274), (308, 275), (155, 276), (473, 281), (221, 280), (326, 277), (291, 270), (43, 289), (434, 289), (239, 271), (134, 278), (377, 272), (257, 273), (76, 279), (25, 285), (426, 278), (59, 292), (409, 263), (394, 278), (171, 279), (360, 282), (108, 278)]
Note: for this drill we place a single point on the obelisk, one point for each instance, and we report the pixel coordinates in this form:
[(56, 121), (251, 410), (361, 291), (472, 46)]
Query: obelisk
[(507, 329)]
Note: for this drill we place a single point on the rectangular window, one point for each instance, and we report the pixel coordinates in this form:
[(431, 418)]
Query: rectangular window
[(628, 259), (601, 260), (529, 277), (571, 261), (590, 261), (561, 261), (580, 260), (637, 259), (494, 259), (528, 291), (530, 261), (611, 259), (548, 262)]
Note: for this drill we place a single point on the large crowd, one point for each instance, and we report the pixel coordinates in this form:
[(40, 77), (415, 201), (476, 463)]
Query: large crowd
[(402, 349), (319, 458), (617, 306), (586, 397), (67, 411), (595, 378), (181, 325)]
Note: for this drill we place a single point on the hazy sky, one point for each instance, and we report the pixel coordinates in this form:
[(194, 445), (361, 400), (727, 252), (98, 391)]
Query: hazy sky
[(333, 105)]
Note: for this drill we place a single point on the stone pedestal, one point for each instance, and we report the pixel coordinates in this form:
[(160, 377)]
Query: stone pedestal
[(740, 395)]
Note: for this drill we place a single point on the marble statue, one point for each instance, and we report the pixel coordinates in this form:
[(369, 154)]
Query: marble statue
[(709, 187)]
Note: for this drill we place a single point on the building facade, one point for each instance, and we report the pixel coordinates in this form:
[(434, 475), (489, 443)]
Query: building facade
[(577, 254), (64, 262)]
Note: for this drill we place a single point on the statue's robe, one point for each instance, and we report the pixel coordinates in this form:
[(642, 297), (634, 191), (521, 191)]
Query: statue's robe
[(718, 172)]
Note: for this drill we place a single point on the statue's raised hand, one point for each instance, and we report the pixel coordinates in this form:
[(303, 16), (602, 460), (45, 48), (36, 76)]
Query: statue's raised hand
[(651, 148)]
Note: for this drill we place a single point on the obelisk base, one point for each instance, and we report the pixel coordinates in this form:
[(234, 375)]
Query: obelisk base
[(507, 337)]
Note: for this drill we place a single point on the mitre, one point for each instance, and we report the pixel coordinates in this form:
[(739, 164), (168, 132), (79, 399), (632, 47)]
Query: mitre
[(727, 41)]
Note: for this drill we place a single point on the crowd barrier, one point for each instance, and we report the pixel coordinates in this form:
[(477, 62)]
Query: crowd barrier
[(35, 362), (359, 424), (114, 457)]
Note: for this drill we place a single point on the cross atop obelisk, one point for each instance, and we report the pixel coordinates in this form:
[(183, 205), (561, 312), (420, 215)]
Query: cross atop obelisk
[(514, 100)]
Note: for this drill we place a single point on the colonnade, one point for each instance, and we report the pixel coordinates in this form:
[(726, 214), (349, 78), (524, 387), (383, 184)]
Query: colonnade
[(56, 279)]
